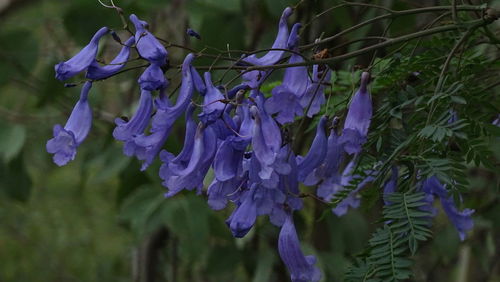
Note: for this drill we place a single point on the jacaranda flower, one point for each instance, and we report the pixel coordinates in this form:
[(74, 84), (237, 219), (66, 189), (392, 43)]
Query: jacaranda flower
[(96, 71), (126, 131), (314, 96), (67, 139), (358, 118), (462, 220), (212, 105), (285, 100), (146, 43), (82, 60), (189, 177), (148, 146), (255, 78), (301, 267), (316, 154), (152, 78)]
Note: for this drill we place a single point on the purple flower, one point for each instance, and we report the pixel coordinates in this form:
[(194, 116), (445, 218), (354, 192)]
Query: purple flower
[(126, 131), (279, 43), (314, 96), (328, 172), (212, 107), (82, 60), (67, 139), (316, 153), (199, 85), (496, 121), (301, 267), (97, 72), (220, 192), (148, 146), (152, 78), (391, 184), (358, 118), (462, 220), (266, 141), (285, 100), (255, 78), (147, 45), (193, 33), (177, 177)]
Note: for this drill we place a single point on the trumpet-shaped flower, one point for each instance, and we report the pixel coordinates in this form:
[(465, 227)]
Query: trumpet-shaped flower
[(212, 105), (152, 78), (148, 146), (82, 60), (316, 153), (358, 118), (126, 131), (97, 72), (301, 267), (314, 96), (146, 43), (67, 139)]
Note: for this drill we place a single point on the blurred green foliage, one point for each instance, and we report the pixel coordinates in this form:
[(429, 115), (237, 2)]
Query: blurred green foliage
[(101, 219)]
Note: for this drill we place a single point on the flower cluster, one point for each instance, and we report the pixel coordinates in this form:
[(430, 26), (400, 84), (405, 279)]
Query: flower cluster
[(237, 133)]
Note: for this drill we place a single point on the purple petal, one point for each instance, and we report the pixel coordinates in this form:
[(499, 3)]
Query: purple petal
[(147, 45), (301, 268), (97, 72), (152, 78), (462, 220), (316, 153), (212, 107), (314, 96), (82, 60), (193, 33), (126, 131), (66, 140), (358, 118)]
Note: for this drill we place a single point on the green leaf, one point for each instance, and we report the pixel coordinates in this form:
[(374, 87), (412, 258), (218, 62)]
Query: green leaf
[(12, 141)]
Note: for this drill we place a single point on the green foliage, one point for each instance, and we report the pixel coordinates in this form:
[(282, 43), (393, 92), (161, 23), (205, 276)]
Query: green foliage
[(390, 248)]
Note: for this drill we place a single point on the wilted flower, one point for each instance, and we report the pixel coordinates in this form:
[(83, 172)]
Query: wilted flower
[(96, 71), (67, 139), (358, 118), (82, 60), (301, 267)]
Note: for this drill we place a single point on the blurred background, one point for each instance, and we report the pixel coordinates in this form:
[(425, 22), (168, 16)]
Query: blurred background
[(100, 219)]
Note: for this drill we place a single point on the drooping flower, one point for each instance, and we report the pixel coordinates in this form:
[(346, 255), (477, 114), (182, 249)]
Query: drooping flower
[(255, 78), (177, 178), (148, 146), (358, 118), (266, 141), (462, 220), (146, 43), (285, 100), (314, 96), (152, 78), (82, 60), (280, 42), (301, 267), (126, 131), (97, 72), (193, 33), (67, 139), (496, 121), (212, 105), (316, 154)]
